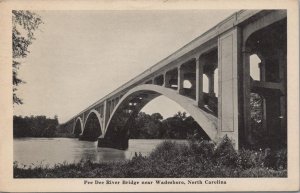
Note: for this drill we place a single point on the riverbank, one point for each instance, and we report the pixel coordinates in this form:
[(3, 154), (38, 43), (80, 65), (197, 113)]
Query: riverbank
[(173, 160)]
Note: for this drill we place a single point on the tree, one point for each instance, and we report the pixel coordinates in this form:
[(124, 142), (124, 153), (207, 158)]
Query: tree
[(157, 116), (56, 119), (180, 115), (34, 126), (24, 23)]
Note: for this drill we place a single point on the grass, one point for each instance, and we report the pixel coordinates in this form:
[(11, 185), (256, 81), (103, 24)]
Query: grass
[(172, 160)]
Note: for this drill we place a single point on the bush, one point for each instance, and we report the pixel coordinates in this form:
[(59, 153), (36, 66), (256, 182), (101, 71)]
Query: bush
[(202, 148), (262, 172), (225, 153), (167, 150), (276, 159)]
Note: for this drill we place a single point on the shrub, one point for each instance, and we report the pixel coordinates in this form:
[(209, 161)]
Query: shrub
[(168, 150), (203, 148), (225, 154), (262, 172), (249, 158), (276, 159)]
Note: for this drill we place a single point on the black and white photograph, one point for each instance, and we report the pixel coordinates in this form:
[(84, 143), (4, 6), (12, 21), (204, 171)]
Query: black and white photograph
[(139, 97)]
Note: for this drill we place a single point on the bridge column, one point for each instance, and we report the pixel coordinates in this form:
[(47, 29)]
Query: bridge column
[(246, 135), (111, 107), (211, 82), (105, 116), (167, 79), (180, 80), (199, 82), (228, 59), (283, 99)]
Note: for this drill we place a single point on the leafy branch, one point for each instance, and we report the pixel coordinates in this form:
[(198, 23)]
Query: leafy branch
[(24, 23)]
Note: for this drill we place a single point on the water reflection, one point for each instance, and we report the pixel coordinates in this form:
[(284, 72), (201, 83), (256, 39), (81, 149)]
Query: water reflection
[(107, 154)]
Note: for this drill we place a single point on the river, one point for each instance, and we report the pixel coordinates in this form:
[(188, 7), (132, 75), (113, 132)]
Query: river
[(50, 151)]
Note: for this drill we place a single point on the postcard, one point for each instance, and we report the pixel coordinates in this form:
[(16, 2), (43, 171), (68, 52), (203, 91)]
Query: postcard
[(146, 96)]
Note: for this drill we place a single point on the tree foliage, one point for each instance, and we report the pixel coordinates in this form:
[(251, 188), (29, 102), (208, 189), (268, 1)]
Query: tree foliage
[(256, 109), (180, 126), (24, 23), (35, 126)]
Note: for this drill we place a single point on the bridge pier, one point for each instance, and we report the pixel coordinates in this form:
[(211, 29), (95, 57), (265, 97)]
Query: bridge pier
[(228, 56), (121, 144)]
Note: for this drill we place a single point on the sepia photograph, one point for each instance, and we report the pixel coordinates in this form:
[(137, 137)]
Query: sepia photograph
[(152, 97)]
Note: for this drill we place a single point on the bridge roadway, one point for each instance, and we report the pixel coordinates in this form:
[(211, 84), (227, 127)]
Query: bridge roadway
[(221, 54)]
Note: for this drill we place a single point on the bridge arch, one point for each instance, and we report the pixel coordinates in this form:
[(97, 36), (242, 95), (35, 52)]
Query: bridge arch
[(78, 127), (136, 98), (93, 126)]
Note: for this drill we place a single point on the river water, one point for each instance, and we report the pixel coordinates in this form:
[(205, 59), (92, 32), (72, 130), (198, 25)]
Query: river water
[(50, 151)]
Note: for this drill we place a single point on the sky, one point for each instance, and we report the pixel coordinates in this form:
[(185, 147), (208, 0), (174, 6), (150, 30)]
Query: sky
[(80, 56)]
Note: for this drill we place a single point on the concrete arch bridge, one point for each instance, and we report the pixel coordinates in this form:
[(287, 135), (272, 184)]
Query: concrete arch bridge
[(224, 56)]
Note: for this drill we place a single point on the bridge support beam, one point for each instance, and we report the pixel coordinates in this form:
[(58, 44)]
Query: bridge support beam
[(228, 46), (180, 80), (166, 80), (199, 82), (105, 114), (211, 81)]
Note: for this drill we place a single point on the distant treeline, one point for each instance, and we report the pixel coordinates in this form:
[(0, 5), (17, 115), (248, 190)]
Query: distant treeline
[(34, 126), (145, 126), (180, 126)]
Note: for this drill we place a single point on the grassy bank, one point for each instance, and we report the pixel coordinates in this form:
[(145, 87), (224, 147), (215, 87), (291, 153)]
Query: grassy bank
[(196, 159)]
